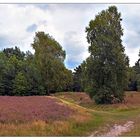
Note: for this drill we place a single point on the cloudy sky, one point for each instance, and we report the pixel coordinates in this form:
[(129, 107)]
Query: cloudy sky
[(66, 23)]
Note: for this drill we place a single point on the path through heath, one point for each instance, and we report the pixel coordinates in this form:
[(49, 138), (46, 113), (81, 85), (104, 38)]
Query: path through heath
[(117, 130)]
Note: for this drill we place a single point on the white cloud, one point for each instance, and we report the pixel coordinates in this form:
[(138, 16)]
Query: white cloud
[(131, 26), (14, 23), (133, 55), (66, 23)]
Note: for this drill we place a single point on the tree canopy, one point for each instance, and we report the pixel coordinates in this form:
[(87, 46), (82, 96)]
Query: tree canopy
[(108, 63), (49, 57), (34, 74)]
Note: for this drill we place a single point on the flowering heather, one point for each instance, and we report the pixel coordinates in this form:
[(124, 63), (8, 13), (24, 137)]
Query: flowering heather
[(31, 108)]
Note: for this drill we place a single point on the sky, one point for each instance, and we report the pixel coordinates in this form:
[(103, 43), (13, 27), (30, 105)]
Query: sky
[(66, 23)]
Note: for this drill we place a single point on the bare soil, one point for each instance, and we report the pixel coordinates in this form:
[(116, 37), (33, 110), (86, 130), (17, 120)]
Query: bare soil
[(117, 130)]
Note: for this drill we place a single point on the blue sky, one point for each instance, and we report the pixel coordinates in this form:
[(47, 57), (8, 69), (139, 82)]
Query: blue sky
[(66, 23)]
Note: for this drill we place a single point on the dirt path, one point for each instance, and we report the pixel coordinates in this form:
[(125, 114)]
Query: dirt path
[(78, 106), (114, 131), (117, 130)]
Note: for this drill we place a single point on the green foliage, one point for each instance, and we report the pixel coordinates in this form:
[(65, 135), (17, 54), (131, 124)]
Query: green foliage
[(136, 72), (107, 62), (3, 60), (39, 74), (49, 57), (131, 73), (77, 77), (14, 51), (80, 81), (20, 84), (138, 82), (131, 83), (33, 76), (10, 66)]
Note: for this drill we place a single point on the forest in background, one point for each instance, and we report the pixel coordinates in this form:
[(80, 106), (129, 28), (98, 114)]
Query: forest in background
[(104, 75)]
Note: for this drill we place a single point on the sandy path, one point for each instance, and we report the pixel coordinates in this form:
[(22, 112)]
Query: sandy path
[(117, 130)]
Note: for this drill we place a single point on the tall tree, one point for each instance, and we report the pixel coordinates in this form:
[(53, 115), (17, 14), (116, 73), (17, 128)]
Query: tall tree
[(108, 63), (49, 57)]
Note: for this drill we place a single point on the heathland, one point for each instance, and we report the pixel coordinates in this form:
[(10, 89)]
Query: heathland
[(67, 114)]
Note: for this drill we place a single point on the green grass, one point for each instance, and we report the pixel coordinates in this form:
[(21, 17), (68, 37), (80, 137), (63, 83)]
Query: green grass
[(107, 115)]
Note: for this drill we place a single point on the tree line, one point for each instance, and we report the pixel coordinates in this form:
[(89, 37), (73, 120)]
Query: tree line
[(104, 75), (41, 73)]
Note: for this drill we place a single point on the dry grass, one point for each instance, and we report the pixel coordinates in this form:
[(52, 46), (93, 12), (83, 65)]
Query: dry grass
[(36, 128), (40, 116), (42, 128), (77, 97), (65, 114), (132, 101)]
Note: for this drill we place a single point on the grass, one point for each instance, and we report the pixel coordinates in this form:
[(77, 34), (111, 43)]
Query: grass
[(113, 114), (84, 117), (58, 128)]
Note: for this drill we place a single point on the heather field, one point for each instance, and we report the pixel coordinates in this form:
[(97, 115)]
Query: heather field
[(68, 114), (38, 116), (25, 109)]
